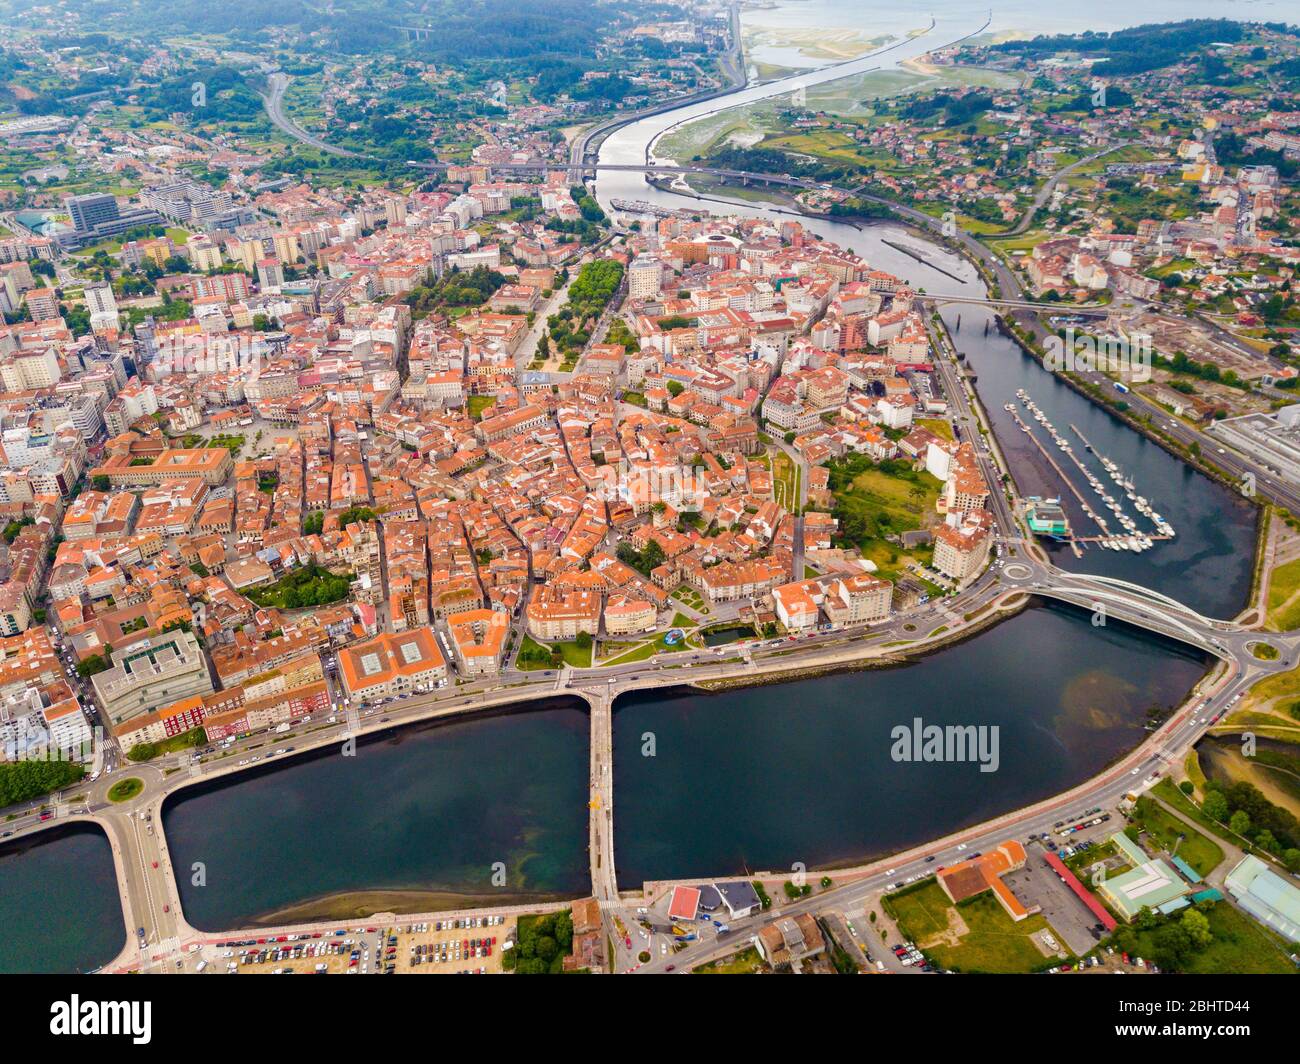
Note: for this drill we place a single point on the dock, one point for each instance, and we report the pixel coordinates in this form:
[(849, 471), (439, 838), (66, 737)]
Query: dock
[(1059, 472)]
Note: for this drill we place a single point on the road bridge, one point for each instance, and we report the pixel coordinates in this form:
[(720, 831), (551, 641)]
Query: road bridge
[(1144, 608), (578, 169)]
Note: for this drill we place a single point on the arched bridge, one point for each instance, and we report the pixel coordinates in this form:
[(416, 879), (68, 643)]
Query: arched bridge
[(1109, 598)]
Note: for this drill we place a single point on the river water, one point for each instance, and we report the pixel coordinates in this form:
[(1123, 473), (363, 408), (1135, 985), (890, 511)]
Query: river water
[(58, 894), (427, 814), (801, 772)]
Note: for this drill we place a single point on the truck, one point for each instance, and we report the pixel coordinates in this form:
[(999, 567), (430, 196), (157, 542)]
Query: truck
[(1119, 387)]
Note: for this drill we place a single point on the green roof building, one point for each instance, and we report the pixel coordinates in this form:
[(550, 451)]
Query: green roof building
[(1268, 897), (1149, 885)]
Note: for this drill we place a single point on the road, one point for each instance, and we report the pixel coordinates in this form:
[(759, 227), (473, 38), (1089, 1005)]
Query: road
[(273, 101)]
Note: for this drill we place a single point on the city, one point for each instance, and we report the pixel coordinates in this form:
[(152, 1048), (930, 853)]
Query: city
[(648, 488)]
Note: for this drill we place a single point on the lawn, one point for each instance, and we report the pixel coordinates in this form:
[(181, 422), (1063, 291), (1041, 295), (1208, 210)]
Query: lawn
[(535, 655), (124, 790), (232, 443), (992, 942), (688, 595), (785, 481), (1201, 853), (746, 962), (1176, 799), (938, 426), (479, 403), (641, 653), (1284, 597), (879, 501)]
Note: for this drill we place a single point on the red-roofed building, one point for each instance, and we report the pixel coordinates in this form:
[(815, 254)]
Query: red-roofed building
[(685, 904)]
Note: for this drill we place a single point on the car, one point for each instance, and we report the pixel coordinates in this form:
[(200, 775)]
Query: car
[(670, 968)]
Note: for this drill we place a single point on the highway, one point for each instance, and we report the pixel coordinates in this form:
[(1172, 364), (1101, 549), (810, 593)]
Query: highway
[(273, 100)]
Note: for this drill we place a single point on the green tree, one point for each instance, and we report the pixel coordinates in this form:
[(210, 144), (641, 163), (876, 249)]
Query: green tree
[(91, 665), (1215, 806), (1197, 926)]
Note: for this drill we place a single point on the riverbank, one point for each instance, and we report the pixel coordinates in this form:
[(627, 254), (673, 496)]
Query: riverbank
[(989, 615), (363, 904)]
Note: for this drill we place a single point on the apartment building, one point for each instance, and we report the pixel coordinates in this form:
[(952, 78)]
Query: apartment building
[(553, 615), (391, 665), (960, 552), (149, 673), (478, 640)]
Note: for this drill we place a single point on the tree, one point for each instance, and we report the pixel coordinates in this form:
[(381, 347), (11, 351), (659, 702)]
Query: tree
[(1197, 926), (583, 639), (675, 388), (1215, 806), (101, 483), (88, 667), (21, 781), (1240, 822)]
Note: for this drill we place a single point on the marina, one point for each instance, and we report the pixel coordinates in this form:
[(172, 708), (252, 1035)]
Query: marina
[(1132, 537)]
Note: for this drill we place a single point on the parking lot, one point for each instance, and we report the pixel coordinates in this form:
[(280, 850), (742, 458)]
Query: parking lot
[(1037, 884), (316, 953), (443, 946), (468, 945)]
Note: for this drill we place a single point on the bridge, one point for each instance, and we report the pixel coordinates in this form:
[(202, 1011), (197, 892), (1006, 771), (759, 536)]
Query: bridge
[(1016, 304), (578, 169), (147, 877), (1112, 599)]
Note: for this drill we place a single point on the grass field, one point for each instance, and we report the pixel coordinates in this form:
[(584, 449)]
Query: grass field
[(1239, 947), (992, 941), (785, 481), (572, 654), (1201, 853), (1284, 597), (938, 426), (124, 790), (479, 403), (880, 503)]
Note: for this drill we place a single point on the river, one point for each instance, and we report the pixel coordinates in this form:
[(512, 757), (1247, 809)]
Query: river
[(1207, 565), (801, 772), (58, 893), (757, 779), (416, 820)]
